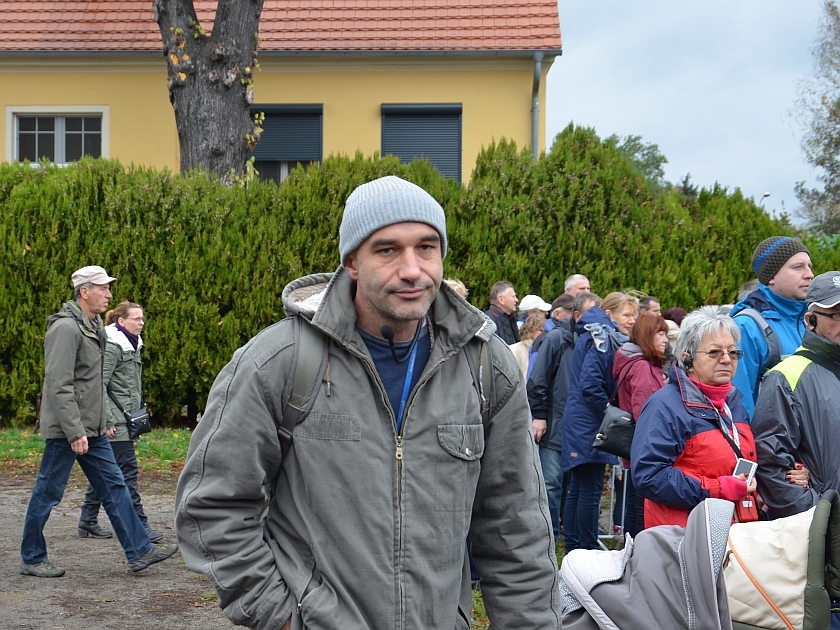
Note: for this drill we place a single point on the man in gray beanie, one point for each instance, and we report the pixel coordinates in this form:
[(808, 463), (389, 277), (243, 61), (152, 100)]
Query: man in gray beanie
[(771, 317), (414, 433)]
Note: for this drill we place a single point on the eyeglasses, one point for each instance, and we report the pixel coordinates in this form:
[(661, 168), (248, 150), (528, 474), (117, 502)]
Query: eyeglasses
[(137, 319), (717, 353), (835, 317)]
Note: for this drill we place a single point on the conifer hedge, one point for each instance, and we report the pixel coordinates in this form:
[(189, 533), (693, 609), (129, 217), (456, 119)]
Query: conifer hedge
[(209, 263)]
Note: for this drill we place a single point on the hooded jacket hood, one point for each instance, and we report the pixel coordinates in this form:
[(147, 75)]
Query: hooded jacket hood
[(323, 299), (73, 311), (628, 352), (594, 315), (115, 335)]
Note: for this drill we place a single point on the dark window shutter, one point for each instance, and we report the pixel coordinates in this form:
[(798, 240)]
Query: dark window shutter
[(424, 131), (291, 133)]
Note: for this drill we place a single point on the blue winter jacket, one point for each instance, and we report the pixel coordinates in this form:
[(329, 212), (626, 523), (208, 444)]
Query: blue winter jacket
[(785, 318), (590, 388)]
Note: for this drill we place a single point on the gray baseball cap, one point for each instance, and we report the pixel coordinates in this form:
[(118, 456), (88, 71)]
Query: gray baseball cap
[(94, 274), (824, 290)]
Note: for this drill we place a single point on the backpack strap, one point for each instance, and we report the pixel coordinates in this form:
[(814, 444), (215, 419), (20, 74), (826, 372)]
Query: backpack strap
[(774, 346), (308, 368), (481, 368)]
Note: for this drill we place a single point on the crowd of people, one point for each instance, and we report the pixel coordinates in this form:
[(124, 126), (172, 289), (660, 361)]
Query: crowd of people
[(705, 389), (356, 460)]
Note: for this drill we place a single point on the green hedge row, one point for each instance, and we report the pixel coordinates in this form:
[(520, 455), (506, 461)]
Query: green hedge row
[(209, 262)]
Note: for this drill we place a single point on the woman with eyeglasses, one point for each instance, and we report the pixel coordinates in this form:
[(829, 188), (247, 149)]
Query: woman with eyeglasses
[(691, 433), (123, 377), (637, 371)]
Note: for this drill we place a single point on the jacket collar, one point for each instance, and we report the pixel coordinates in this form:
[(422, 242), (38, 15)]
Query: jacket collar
[(771, 305), (822, 346), (454, 321), (115, 335), (500, 313), (694, 400), (72, 309)]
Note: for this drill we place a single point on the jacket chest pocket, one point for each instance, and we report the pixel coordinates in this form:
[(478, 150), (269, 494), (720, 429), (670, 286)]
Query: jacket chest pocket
[(457, 466)]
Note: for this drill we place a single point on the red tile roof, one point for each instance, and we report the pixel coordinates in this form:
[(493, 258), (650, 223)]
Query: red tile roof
[(293, 25)]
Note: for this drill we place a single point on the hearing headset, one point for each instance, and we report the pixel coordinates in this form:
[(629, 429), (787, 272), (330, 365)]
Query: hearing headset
[(813, 321), (688, 362)]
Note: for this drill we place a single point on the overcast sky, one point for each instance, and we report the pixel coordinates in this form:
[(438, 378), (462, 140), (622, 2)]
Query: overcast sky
[(712, 82)]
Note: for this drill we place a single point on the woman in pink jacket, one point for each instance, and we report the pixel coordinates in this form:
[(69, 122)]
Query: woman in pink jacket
[(638, 374)]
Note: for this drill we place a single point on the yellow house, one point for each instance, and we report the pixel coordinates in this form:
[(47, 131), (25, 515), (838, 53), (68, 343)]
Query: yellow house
[(433, 78)]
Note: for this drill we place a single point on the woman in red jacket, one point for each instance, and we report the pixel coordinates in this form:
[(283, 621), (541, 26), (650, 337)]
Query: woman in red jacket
[(637, 371)]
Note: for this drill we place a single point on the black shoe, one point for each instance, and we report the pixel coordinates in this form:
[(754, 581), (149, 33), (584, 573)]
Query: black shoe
[(153, 535), (92, 530), (42, 569), (158, 553)]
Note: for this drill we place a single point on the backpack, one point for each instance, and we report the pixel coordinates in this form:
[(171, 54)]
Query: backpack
[(774, 346), (309, 366)]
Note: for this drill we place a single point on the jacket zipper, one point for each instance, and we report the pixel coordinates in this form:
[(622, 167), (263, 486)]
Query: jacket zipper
[(399, 456)]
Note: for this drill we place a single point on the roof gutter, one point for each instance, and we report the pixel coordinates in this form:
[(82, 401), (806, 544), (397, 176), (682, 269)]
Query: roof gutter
[(535, 106), (158, 52)]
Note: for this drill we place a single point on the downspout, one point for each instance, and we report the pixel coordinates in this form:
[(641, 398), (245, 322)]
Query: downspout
[(535, 106)]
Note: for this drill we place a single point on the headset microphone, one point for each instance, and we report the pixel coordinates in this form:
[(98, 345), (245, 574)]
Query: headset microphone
[(688, 362), (813, 320), (388, 334)]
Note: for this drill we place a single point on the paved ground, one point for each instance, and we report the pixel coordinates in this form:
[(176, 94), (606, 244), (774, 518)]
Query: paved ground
[(99, 591)]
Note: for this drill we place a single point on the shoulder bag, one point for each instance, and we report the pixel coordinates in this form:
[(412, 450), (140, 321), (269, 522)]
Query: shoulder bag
[(615, 435), (138, 422)]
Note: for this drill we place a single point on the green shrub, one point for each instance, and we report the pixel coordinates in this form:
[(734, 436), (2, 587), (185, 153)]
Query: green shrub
[(585, 208), (209, 263)]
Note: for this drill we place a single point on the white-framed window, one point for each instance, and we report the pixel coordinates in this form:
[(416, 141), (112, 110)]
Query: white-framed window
[(59, 134)]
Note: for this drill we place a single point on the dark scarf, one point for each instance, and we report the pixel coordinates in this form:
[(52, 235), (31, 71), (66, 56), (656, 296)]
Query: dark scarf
[(133, 339), (715, 393)]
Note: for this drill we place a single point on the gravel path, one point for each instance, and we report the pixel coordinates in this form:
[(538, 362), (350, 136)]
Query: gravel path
[(99, 591)]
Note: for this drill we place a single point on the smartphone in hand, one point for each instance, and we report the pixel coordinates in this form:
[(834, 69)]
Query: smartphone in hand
[(745, 466)]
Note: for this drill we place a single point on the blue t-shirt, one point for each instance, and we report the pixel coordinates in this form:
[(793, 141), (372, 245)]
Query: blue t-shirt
[(392, 373)]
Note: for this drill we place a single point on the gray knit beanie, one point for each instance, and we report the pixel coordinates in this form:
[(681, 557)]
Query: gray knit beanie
[(383, 202), (772, 253)]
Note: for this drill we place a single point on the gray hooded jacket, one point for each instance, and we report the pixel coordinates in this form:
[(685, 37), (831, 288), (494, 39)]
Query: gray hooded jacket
[(357, 538)]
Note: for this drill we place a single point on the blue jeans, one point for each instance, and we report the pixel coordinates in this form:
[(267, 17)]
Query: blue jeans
[(553, 475), (127, 461), (583, 506), (102, 471)]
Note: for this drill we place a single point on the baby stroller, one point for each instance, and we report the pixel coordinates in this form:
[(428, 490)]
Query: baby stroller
[(763, 575), (784, 574), (667, 577)]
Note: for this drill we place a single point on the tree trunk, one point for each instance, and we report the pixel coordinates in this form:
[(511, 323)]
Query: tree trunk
[(211, 83)]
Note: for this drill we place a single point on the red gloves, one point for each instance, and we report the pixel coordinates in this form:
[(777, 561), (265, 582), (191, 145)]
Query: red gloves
[(732, 488)]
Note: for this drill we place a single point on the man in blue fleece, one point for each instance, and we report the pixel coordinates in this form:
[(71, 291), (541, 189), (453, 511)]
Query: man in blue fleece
[(771, 318)]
